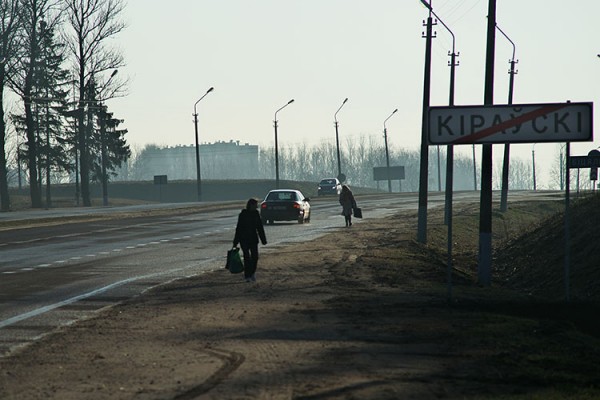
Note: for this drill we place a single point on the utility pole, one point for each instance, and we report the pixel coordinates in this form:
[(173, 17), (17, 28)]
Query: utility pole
[(341, 178), (506, 163), (424, 175), (387, 153), (484, 271), (449, 159)]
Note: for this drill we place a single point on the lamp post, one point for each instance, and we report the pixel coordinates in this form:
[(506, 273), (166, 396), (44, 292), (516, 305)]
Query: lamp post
[(337, 142), (387, 154), (277, 145), (103, 117), (198, 179)]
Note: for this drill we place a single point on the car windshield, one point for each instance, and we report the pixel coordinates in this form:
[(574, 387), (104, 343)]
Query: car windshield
[(328, 182), (282, 196)]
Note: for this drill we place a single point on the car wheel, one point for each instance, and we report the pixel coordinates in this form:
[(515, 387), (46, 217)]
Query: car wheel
[(301, 220)]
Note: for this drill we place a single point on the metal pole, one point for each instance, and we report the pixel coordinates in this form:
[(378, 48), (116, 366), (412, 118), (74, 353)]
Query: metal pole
[(277, 145), (198, 176), (276, 157), (485, 216), (506, 162), (337, 142), (439, 170), (48, 151), (474, 170), (567, 222), (387, 154), (103, 154), (423, 172), (561, 164), (533, 161)]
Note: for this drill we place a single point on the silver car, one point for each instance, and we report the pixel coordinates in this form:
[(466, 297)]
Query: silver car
[(285, 205)]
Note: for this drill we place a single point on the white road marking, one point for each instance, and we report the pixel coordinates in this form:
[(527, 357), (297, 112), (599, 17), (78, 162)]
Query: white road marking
[(50, 307)]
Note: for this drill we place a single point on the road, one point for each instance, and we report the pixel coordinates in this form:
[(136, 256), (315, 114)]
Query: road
[(54, 275)]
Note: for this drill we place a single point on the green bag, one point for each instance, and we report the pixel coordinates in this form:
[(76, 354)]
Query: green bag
[(234, 264)]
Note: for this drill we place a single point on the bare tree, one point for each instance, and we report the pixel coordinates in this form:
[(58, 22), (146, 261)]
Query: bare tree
[(91, 23), (9, 25)]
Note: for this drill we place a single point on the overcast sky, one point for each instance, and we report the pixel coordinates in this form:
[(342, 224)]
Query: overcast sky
[(259, 54)]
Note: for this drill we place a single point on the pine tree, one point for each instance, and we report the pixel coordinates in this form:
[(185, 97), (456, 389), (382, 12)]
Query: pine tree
[(43, 89)]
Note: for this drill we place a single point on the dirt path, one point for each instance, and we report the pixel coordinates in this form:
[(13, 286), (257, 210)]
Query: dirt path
[(342, 317)]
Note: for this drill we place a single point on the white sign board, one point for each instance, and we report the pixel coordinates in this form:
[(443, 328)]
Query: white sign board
[(516, 123)]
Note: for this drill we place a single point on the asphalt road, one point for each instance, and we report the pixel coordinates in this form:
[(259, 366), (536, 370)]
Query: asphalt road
[(52, 276)]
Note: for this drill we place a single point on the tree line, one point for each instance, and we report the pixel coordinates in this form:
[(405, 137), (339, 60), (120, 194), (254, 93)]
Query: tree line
[(57, 70), (359, 155)]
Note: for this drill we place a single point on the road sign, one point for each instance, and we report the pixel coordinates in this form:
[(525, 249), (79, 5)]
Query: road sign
[(160, 179), (381, 173), (583, 162), (515, 123)]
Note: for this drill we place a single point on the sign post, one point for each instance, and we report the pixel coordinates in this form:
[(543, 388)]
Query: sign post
[(514, 123), (160, 180)]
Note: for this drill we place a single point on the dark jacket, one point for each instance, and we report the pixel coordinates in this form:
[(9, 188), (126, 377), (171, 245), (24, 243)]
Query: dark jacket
[(249, 228), (347, 202)]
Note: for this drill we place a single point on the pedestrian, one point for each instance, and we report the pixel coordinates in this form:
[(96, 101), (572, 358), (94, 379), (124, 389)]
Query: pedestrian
[(247, 233), (348, 204)]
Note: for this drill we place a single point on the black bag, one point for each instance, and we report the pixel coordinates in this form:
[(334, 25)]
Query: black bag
[(357, 212), (234, 264)]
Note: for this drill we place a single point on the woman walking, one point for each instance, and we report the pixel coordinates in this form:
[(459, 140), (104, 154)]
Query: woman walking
[(247, 232), (348, 204)]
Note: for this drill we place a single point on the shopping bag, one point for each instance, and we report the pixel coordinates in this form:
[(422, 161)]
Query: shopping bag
[(357, 212), (234, 264)]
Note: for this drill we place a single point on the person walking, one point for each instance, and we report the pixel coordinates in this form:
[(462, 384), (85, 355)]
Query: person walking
[(348, 204), (248, 230)]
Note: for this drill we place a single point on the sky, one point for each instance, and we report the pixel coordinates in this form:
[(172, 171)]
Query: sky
[(259, 54)]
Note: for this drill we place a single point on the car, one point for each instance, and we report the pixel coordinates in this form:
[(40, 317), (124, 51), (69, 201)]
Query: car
[(285, 205), (330, 186)]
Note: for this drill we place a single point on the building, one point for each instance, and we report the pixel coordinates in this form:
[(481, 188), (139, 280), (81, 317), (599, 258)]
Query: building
[(220, 160)]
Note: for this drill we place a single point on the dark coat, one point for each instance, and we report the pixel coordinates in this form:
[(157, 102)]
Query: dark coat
[(249, 228), (347, 202)]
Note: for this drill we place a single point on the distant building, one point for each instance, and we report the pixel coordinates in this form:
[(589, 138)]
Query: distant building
[(220, 160)]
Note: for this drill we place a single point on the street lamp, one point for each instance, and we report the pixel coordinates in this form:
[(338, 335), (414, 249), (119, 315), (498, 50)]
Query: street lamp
[(198, 179), (277, 146), (103, 142), (337, 142), (387, 154)]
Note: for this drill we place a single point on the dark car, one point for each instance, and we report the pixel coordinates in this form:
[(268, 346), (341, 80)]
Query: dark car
[(285, 205), (329, 186)]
